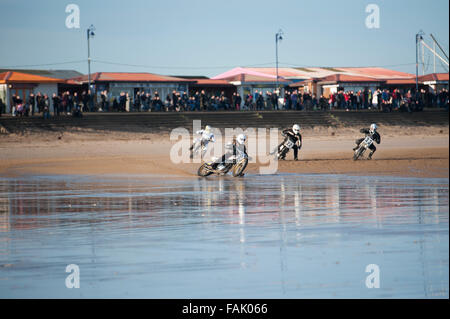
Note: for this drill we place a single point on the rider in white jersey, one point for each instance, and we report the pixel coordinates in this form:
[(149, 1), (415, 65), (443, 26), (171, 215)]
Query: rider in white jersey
[(206, 137)]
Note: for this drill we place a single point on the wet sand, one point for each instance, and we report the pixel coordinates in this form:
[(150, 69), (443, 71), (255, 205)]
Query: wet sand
[(414, 152)]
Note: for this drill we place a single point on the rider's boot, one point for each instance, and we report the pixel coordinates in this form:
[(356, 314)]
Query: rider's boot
[(370, 156)]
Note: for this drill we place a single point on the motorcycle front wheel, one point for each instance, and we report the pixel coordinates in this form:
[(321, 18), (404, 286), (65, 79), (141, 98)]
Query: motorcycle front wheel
[(240, 167)]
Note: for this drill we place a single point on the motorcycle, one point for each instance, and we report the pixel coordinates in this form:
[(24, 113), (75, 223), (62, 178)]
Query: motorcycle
[(199, 145), (363, 146), (285, 147), (236, 163)]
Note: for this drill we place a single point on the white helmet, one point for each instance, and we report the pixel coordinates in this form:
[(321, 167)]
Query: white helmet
[(373, 127), (207, 128), (241, 138), (296, 128)]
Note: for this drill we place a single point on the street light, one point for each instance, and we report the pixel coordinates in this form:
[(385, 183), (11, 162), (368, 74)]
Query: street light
[(90, 34), (278, 37), (419, 37)]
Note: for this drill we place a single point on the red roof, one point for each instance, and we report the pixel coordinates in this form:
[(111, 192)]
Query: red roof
[(401, 81), (19, 77), (207, 82), (129, 77), (347, 78), (380, 73), (434, 77)]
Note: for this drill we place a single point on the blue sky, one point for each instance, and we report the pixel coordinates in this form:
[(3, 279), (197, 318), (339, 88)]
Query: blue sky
[(200, 37)]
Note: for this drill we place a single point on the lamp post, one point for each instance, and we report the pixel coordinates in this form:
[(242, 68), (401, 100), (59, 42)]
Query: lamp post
[(418, 38), (278, 37), (90, 33)]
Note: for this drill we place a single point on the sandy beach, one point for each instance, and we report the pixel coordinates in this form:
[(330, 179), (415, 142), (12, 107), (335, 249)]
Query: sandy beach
[(415, 151)]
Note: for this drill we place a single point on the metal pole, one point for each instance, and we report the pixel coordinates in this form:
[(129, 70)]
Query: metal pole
[(434, 57), (417, 63), (439, 46), (89, 61), (276, 54)]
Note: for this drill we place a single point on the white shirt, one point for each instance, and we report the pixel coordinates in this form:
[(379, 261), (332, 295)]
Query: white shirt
[(206, 135)]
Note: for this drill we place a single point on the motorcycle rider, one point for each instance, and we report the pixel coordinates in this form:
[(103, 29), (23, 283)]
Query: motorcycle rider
[(374, 135), (206, 137), (294, 134), (237, 144)]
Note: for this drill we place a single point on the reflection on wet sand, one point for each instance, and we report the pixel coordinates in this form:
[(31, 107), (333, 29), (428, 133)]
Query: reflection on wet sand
[(294, 221)]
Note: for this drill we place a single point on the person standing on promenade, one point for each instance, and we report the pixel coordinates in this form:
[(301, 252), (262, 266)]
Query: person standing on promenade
[(32, 103), (127, 102), (238, 102), (56, 104), (46, 107), (2, 105)]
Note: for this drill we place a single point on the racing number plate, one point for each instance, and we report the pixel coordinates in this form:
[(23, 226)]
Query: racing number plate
[(368, 141), (289, 144)]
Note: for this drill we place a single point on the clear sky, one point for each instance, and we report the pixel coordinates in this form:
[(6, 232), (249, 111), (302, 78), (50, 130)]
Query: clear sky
[(208, 37)]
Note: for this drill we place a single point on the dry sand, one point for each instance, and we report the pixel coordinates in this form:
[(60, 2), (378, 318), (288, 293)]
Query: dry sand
[(418, 151)]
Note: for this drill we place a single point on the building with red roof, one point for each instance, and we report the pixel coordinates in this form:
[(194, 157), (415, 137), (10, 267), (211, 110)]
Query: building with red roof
[(210, 86), (316, 80), (437, 81), (22, 84), (131, 83)]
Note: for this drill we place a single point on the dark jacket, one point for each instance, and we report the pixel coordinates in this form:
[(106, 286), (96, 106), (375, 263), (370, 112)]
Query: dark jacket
[(297, 138), (374, 136)]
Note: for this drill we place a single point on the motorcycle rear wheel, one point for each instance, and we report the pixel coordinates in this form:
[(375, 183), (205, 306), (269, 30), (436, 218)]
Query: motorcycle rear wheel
[(358, 153), (281, 155), (203, 170)]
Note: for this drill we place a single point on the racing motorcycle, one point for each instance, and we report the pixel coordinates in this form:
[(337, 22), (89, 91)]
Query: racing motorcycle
[(363, 146), (198, 145), (236, 163), (285, 147)]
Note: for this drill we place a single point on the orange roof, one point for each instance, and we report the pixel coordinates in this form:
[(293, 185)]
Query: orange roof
[(434, 77), (18, 77), (129, 77)]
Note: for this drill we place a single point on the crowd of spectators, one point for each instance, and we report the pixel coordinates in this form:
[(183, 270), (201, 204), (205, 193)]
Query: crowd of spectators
[(65, 103), (76, 104), (386, 100)]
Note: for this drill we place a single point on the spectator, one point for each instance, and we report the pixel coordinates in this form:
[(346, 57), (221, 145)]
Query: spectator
[(238, 102), (90, 98), (31, 103), (274, 100), (2, 107), (122, 102), (128, 102), (260, 102), (46, 107), (56, 104)]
